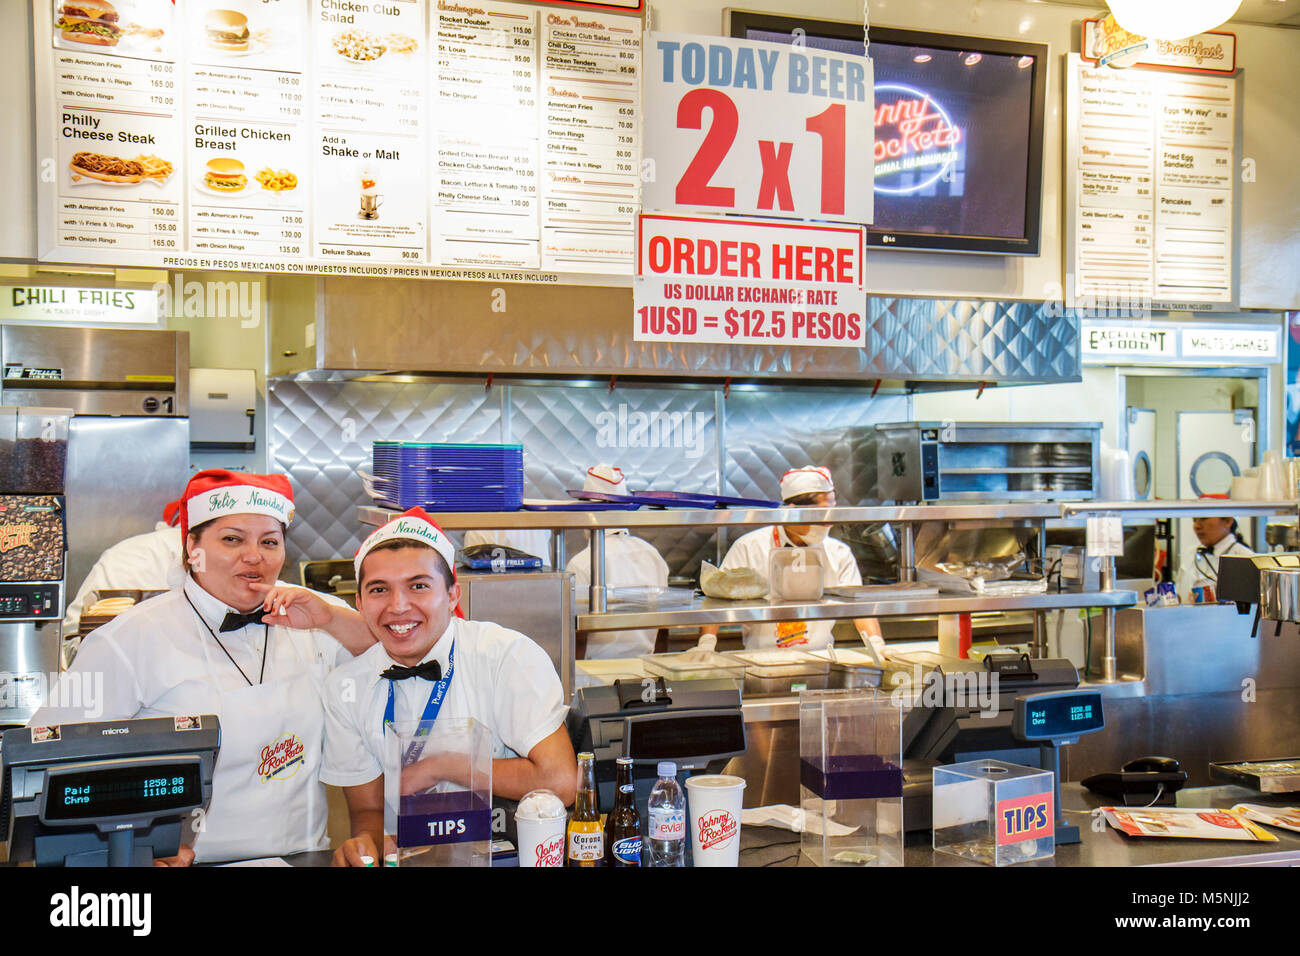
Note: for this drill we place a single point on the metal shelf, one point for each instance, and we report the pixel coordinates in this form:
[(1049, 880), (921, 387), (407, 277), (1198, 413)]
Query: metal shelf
[(721, 517), (710, 611), (1178, 508)]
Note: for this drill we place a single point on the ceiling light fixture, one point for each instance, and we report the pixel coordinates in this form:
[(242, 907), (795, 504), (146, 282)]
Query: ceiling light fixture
[(1172, 19)]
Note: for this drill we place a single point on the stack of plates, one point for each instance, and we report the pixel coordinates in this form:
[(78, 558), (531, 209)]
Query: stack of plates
[(449, 477)]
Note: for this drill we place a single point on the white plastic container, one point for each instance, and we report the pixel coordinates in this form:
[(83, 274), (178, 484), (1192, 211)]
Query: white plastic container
[(796, 574)]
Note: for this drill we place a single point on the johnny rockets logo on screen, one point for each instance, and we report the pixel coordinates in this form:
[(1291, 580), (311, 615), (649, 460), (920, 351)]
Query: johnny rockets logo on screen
[(917, 142)]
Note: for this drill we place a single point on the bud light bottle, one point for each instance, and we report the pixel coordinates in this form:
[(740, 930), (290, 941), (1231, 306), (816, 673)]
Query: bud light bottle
[(623, 825), (667, 811)]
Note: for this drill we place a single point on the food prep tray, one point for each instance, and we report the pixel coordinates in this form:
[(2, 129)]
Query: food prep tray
[(1278, 775), (782, 672), (902, 591), (693, 665)]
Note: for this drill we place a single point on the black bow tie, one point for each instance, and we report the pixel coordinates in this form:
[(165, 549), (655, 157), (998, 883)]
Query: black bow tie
[(429, 670), (234, 621)]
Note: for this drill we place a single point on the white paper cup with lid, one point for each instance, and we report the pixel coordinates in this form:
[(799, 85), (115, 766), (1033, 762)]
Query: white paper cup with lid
[(540, 819), (713, 807)]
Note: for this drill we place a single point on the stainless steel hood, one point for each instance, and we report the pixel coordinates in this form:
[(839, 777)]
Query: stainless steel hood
[(476, 328)]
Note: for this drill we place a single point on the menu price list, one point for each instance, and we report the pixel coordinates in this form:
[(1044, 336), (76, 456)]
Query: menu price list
[(319, 133), (1153, 161), (590, 154), (485, 88)]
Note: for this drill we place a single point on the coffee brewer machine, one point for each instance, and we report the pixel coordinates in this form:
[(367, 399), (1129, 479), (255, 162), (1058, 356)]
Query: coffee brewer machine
[(33, 554)]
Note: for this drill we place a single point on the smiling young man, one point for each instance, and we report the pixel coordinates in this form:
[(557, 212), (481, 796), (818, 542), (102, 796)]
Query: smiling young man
[(431, 663)]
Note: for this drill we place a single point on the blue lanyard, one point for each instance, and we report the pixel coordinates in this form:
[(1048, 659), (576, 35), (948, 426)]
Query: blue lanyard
[(436, 696)]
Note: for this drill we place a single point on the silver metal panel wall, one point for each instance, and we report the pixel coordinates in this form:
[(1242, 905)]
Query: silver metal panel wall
[(685, 438), (417, 325), (322, 427)]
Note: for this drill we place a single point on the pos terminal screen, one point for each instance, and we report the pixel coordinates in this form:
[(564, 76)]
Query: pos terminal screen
[(122, 791)]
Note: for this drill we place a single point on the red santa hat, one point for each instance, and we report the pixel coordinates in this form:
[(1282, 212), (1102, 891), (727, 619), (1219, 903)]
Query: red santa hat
[(414, 524), (806, 481), (172, 512), (215, 493)]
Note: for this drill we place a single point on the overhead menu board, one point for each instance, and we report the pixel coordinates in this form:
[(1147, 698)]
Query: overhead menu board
[(381, 137), (1151, 160)]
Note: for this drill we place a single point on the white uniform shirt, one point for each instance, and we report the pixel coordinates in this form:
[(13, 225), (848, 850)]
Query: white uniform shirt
[(150, 661), (629, 563), (536, 543), (502, 680), (1196, 574), (753, 550), (151, 560)]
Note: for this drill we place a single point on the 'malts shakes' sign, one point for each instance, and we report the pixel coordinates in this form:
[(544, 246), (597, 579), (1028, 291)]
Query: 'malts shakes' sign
[(917, 141)]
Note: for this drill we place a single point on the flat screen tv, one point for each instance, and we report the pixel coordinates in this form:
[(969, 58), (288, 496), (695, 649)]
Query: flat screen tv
[(959, 132)]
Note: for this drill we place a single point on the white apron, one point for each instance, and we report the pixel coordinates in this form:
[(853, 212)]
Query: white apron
[(267, 798)]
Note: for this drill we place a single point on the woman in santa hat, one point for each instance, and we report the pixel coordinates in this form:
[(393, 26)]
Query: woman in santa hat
[(231, 640)]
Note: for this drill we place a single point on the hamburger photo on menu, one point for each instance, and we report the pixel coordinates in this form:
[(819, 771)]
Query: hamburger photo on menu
[(93, 22), (225, 175), (226, 31)]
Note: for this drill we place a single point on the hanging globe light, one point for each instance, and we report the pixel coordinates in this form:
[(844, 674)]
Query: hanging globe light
[(1171, 19)]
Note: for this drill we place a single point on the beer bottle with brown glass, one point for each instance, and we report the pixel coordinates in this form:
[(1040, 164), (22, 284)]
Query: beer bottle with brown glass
[(586, 843), (623, 825)]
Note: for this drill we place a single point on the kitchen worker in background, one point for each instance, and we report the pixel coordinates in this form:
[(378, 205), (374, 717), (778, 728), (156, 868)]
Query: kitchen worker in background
[(809, 487), (215, 644), (629, 563), (1218, 536), (431, 664), (144, 561)]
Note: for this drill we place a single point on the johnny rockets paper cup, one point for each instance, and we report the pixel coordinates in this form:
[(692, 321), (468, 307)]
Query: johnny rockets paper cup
[(541, 821), (713, 806)]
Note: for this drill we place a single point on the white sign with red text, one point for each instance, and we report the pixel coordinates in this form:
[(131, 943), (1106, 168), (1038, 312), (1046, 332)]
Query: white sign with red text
[(758, 129), (745, 282)]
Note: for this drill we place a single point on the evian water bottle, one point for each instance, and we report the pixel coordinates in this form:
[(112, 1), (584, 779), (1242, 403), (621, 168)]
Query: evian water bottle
[(667, 811)]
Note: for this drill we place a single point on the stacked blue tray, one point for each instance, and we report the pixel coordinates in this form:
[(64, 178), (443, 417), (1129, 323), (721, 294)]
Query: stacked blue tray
[(449, 477)]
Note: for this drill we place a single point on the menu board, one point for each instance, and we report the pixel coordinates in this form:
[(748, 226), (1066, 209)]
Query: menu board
[(381, 137), (1150, 187)]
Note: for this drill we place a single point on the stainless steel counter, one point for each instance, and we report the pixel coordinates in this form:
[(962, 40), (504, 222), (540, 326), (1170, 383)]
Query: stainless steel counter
[(769, 846)]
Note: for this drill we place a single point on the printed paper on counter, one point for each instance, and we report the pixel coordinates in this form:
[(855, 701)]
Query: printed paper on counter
[(1186, 822), (1288, 818), (743, 282)]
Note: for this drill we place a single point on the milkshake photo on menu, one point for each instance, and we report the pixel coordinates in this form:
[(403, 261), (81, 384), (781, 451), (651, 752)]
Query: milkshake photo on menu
[(371, 198), (134, 28), (245, 34)]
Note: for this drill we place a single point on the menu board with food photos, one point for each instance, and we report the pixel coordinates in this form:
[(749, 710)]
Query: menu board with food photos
[(445, 138)]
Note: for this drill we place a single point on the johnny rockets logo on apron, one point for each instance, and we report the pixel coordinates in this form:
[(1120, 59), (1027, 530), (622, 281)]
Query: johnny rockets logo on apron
[(266, 796), (281, 759)]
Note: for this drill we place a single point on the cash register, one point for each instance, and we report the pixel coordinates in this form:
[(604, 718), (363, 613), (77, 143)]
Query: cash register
[(956, 715), (698, 724), (108, 793)]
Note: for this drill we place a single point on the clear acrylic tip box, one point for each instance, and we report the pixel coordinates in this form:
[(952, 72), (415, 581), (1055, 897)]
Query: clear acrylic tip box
[(994, 813), (851, 777)]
